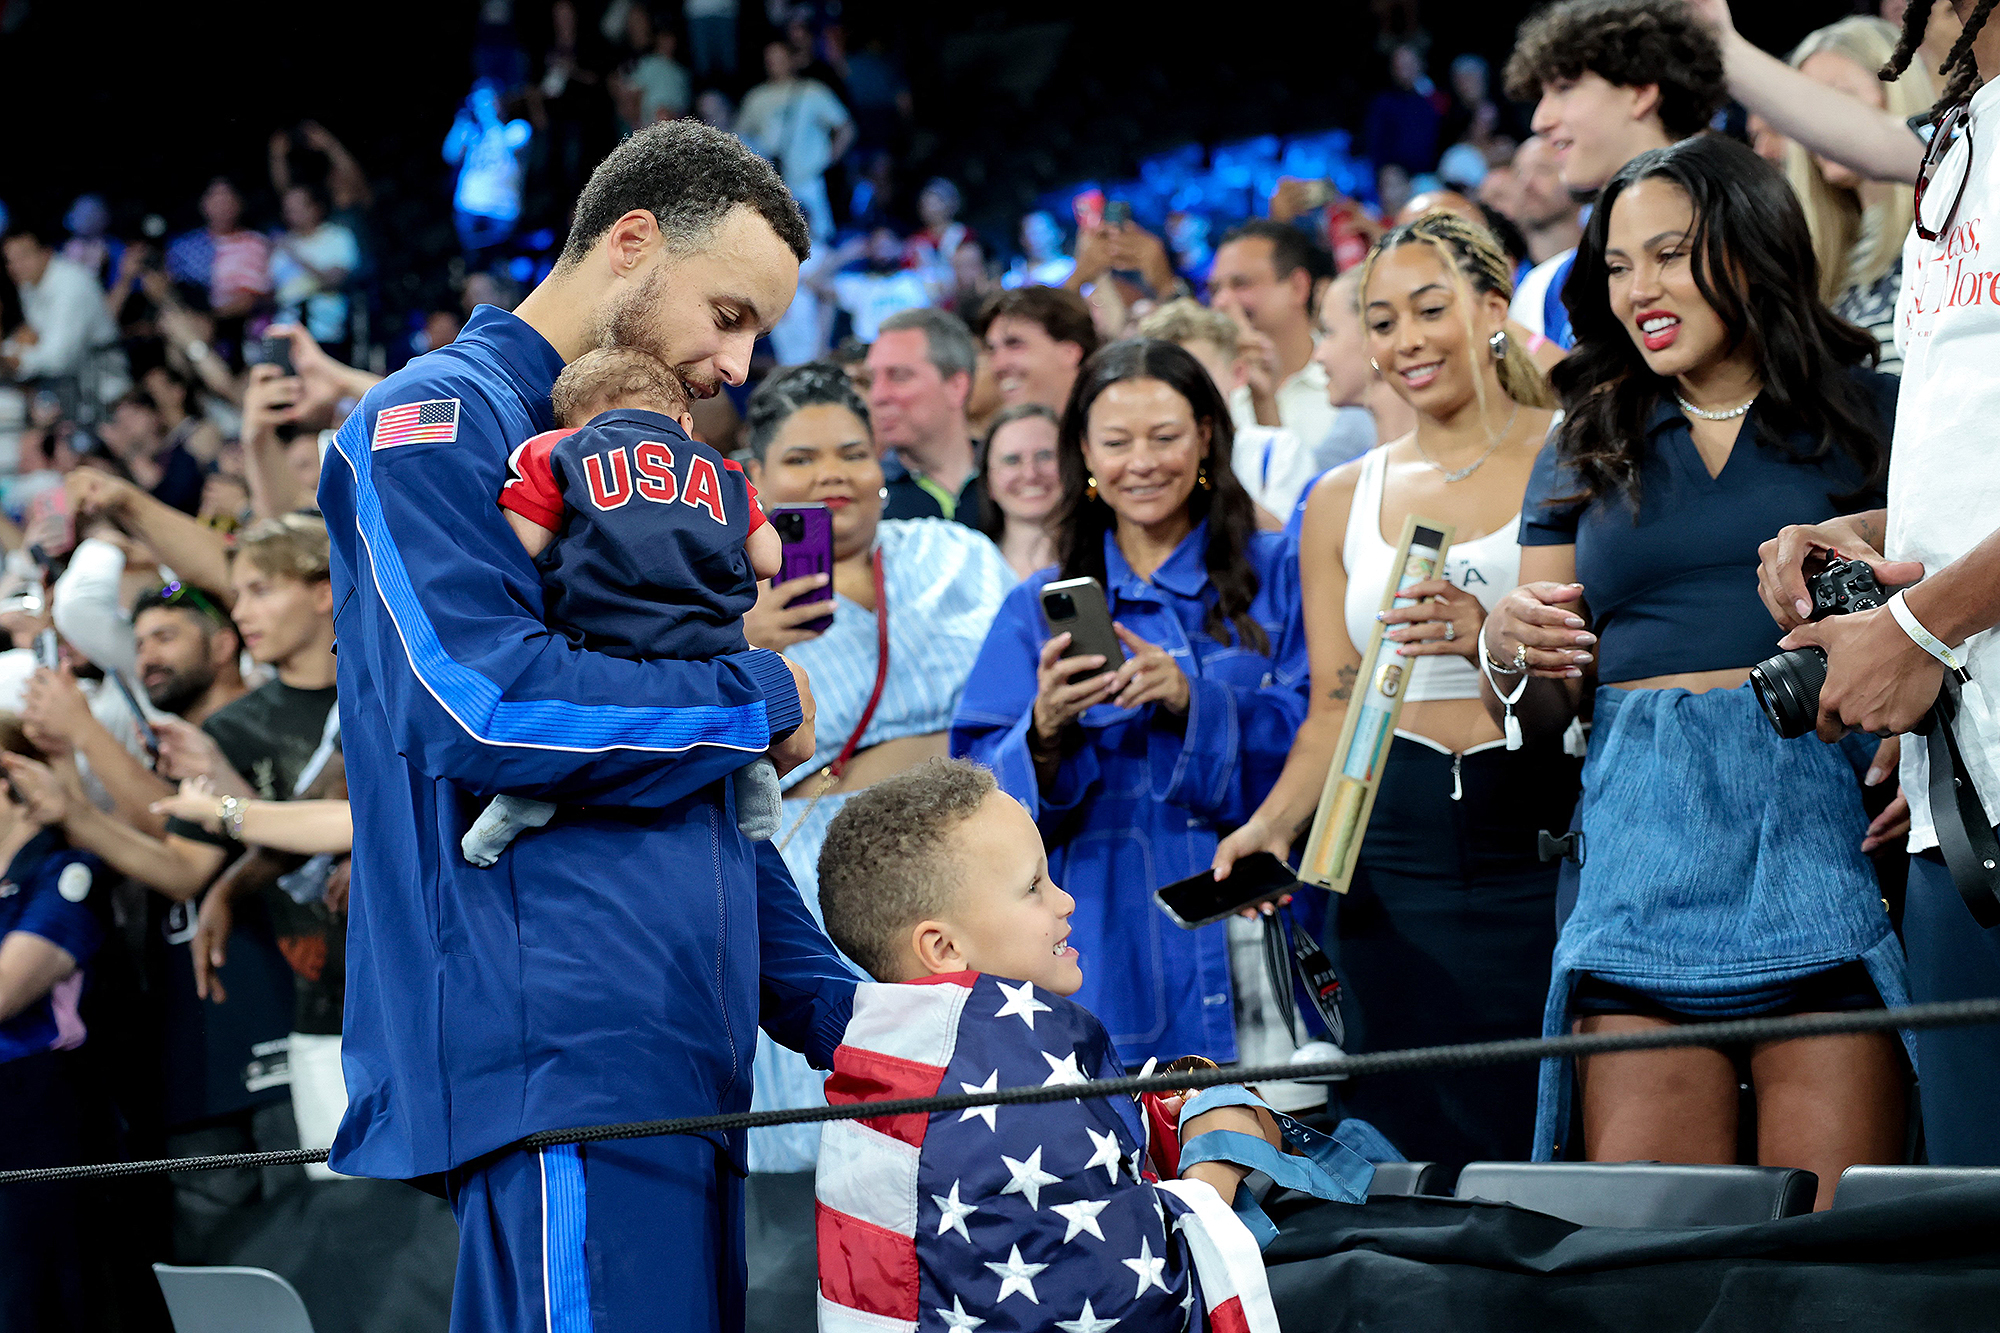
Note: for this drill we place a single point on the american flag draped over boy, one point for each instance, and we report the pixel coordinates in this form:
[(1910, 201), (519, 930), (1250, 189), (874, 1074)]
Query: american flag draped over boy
[(1030, 1216)]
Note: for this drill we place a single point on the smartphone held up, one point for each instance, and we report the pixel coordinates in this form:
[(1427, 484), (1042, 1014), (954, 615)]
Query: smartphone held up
[(806, 529)]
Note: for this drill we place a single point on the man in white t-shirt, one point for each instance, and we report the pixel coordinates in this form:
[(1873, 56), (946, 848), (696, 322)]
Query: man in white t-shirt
[(1263, 278), (802, 127), (1885, 668), (310, 264)]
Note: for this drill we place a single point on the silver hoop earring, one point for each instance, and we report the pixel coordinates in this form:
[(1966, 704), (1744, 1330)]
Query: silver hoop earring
[(882, 494), (1498, 342), (1374, 366)]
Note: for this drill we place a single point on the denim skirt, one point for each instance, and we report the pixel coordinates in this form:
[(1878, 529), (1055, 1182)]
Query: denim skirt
[(1722, 863)]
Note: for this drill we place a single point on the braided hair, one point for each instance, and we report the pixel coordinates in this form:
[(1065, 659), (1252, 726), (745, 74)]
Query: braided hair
[(1958, 70), (1478, 267)]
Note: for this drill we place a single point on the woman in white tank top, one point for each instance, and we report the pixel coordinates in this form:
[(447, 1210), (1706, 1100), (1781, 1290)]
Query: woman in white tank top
[(1447, 929)]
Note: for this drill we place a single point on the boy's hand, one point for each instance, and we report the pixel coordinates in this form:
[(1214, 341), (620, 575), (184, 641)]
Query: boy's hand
[(767, 552)]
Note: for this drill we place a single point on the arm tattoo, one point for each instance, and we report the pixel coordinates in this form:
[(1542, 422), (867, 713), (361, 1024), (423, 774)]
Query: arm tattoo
[(1343, 684), (1870, 529)]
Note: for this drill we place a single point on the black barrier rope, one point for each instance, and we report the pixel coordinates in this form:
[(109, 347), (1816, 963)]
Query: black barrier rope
[(1735, 1032)]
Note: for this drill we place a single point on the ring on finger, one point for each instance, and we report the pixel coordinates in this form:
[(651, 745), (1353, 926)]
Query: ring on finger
[(1520, 657), (1450, 630)]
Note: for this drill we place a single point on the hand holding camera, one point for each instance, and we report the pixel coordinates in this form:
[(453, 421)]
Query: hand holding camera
[(1884, 683)]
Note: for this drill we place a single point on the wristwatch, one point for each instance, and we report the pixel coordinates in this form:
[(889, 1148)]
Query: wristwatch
[(230, 811)]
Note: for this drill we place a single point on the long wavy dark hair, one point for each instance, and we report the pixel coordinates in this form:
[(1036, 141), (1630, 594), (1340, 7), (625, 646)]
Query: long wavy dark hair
[(1080, 523), (1752, 258)]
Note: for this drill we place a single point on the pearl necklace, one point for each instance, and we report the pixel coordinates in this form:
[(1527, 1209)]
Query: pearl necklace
[(1462, 473), (1730, 415)]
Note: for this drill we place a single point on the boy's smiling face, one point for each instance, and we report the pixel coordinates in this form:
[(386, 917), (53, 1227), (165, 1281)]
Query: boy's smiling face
[(1006, 917)]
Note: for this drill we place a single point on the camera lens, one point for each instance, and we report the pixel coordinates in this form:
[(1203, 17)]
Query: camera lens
[(790, 527), (1788, 687), (1061, 606)]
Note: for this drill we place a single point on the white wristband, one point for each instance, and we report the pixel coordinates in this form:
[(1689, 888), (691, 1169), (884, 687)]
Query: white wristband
[(1924, 639)]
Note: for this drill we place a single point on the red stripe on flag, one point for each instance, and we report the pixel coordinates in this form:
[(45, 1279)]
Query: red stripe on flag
[(862, 1075), (1228, 1317), (866, 1267)]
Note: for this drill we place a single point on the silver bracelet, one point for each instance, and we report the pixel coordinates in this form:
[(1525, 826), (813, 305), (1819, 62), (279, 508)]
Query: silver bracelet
[(230, 811)]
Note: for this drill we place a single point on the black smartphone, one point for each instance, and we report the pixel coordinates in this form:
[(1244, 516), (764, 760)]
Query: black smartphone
[(146, 732), (1200, 899), (275, 352), (807, 532), (1078, 605)]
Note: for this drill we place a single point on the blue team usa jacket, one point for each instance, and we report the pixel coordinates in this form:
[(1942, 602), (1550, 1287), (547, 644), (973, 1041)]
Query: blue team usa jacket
[(1143, 801), (614, 965)]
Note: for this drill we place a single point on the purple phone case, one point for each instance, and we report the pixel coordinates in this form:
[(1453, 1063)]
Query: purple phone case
[(811, 553)]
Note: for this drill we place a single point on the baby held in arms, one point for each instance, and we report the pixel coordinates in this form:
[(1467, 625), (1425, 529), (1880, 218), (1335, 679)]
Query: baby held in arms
[(649, 543)]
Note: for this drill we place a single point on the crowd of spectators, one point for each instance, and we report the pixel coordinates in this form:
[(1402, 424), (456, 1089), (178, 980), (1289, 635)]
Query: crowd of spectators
[(167, 707)]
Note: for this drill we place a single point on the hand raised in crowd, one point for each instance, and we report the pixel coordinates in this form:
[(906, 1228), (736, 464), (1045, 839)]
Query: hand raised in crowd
[(774, 625), (91, 492), (46, 797), (1445, 623), (1150, 675), (1781, 572), (798, 747), (1259, 358), (322, 381), (270, 399), (1060, 698), (186, 751), (54, 711), (1546, 620), (1093, 255)]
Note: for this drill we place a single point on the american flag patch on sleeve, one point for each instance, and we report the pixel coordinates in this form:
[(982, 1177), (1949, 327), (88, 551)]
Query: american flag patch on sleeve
[(433, 422)]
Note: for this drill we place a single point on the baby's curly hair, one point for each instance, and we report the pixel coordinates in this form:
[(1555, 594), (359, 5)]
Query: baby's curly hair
[(1628, 43), (613, 375)]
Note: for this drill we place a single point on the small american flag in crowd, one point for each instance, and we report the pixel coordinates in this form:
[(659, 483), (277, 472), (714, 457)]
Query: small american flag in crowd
[(433, 422), (1031, 1216)]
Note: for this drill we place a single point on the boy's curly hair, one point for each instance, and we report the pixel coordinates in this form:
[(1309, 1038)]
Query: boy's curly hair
[(614, 375), (1628, 43)]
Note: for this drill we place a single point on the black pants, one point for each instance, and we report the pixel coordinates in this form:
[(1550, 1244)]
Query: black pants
[(1445, 936)]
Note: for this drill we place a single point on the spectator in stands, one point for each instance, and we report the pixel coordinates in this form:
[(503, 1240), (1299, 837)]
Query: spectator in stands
[(570, 105), (919, 376), (1018, 460), (1540, 204), (348, 193), (1264, 277), (1042, 258), (1858, 226), (866, 277), (934, 245), (51, 923), (1614, 78), (711, 37), (310, 264), (1271, 462), (972, 283), (1366, 410), (67, 335), (1474, 118), (222, 263), (879, 94), (180, 406), (488, 151), (1440, 942), (89, 243), (1037, 337), (654, 86), (134, 433), (1133, 773), (802, 127), (939, 585), (1403, 120), (1712, 400)]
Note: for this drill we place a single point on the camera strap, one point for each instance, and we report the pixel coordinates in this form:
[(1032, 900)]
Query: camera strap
[(1290, 951), (1966, 839)]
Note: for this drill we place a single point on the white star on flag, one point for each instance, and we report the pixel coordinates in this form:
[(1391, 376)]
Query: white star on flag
[(1107, 1154), (957, 1319), (1028, 1179), (982, 1112), (1062, 1071), (1016, 1276), (954, 1212), (1087, 1322), (1081, 1216), (1021, 1003), (1148, 1268)]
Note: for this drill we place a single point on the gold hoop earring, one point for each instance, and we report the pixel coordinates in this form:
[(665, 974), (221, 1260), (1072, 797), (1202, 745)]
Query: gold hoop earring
[(1090, 489), (1201, 478)]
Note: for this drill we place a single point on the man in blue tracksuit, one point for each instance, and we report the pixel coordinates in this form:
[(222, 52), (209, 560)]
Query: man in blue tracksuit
[(614, 965)]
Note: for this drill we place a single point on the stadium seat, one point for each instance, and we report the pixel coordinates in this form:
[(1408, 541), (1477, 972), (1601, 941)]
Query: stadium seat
[(1860, 1185), (1643, 1194), (231, 1300), (1398, 1178)]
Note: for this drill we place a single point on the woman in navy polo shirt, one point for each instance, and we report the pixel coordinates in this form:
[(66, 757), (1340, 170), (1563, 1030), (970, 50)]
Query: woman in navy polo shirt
[(48, 931), (1712, 400)]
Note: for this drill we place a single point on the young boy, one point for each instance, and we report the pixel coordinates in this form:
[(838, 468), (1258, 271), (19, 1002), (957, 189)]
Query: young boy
[(649, 542), (1023, 1216)]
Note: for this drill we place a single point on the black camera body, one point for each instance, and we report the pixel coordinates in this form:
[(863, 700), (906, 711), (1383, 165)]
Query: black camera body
[(1788, 685)]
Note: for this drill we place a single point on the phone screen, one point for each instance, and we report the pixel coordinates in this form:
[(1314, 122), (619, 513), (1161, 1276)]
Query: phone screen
[(1200, 899)]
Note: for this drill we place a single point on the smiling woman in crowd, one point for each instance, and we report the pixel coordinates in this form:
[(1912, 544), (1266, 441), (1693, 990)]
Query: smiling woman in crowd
[(1445, 933), (1133, 773), (1019, 464), (1713, 399)]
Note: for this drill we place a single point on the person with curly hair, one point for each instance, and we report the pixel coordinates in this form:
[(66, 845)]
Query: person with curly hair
[(1610, 79)]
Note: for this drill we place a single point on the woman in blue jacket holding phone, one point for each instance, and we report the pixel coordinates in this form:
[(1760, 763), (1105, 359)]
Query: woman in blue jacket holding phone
[(1135, 771)]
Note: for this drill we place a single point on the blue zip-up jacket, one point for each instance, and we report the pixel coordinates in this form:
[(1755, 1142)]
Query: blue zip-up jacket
[(1142, 801), (613, 966)]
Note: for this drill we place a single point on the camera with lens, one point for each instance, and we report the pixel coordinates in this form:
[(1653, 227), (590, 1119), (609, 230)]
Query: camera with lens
[(1788, 685), (1060, 606)]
